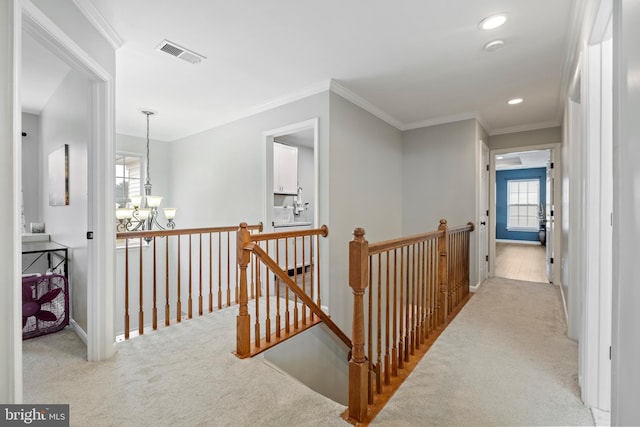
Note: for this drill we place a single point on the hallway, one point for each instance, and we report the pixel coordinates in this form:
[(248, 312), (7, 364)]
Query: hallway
[(504, 360)]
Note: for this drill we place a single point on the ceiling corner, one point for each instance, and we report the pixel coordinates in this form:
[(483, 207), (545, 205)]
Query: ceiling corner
[(351, 96)]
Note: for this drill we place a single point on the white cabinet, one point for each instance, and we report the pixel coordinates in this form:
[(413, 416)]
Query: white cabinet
[(285, 169)]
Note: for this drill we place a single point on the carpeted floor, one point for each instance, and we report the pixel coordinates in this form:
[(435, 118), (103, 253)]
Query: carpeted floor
[(504, 360), (184, 375)]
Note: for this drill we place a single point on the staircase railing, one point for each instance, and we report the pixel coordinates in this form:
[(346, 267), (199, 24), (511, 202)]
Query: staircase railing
[(286, 267), (405, 292), (167, 268)]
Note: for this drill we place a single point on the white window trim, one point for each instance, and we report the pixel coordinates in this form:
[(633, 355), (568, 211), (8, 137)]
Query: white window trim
[(532, 229)]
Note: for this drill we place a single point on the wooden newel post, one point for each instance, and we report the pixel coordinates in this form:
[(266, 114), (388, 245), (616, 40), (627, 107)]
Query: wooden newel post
[(358, 366), (243, 321), (443, 271)]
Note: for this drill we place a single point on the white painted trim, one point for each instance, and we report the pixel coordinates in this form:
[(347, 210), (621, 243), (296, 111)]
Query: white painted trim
[(475, 287), (564, 304), (364, 104), (99, 22), (527, 127), (79, 331), (323, 86), (555, 147), (440, 120), (101, 155)]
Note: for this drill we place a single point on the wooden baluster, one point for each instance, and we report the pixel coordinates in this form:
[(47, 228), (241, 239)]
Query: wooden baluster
[(256, 283), (319, 264), (419, 325), (287, 318), (179, 302), (312, 267), (211, 272), (412, 347), (423, 290), (407, 278), (190, 300), (379, 331), (126, 289), (267, 333), (154, 313), (228, 276), (370, 333), (220, 272), (167, 308), (401, 340), (387, 355), (295, 279), (141, 310), (394, 349), (277, 285), (443, 274), (304, 285), (200, 276), (358, 368), (243, 320)]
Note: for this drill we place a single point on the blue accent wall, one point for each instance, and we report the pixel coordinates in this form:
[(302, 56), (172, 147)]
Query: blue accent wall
[(502, 177)]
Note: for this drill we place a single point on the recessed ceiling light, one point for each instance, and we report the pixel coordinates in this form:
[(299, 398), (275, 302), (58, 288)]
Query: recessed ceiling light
[(493, 21), (493, 45), (499, 157), (515, 101)]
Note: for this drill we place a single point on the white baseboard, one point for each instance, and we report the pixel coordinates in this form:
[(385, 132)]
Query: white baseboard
[(475, 287), (564, 303), (79, 331)]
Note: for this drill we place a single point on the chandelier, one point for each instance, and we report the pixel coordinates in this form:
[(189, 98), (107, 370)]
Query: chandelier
[(141, 212)]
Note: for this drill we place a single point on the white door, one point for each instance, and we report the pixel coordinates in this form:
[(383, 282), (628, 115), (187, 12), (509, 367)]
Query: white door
[(483, 233)]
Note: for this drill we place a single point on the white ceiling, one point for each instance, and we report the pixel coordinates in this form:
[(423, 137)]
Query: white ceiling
[(523, 160), (412, 62)]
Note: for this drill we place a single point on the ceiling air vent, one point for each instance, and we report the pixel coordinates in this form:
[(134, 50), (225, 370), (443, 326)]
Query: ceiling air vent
[(180, 52)]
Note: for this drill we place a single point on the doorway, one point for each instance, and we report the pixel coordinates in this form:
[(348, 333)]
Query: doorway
[(96, 189), (522, 229), (299, 204)]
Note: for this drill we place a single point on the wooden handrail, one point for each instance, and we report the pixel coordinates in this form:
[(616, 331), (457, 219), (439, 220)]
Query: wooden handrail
[(275, 268), (296, 292), (184, 231)]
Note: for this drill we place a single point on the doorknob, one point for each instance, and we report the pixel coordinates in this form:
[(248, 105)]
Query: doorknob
[(483, 223)]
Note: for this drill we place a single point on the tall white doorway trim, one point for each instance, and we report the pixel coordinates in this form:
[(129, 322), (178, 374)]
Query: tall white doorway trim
[(101, 154)]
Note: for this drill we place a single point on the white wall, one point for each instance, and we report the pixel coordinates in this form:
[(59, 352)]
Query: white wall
[(64, 121), (366, 191), (440, 179), (626, 217), (550, 135), (31, 169)]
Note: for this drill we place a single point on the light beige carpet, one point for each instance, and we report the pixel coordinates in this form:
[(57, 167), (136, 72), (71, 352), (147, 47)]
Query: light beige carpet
[(184, 375), (505, 360)]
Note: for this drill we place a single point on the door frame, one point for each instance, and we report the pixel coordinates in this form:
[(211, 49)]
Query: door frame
[(555, 155), (100, 337), (267, 163)]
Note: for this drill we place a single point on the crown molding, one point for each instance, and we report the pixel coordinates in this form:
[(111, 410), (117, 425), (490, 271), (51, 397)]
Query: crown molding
[(315, 89), (99, 22), (524, 128), (347, 94), (442, 120)]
